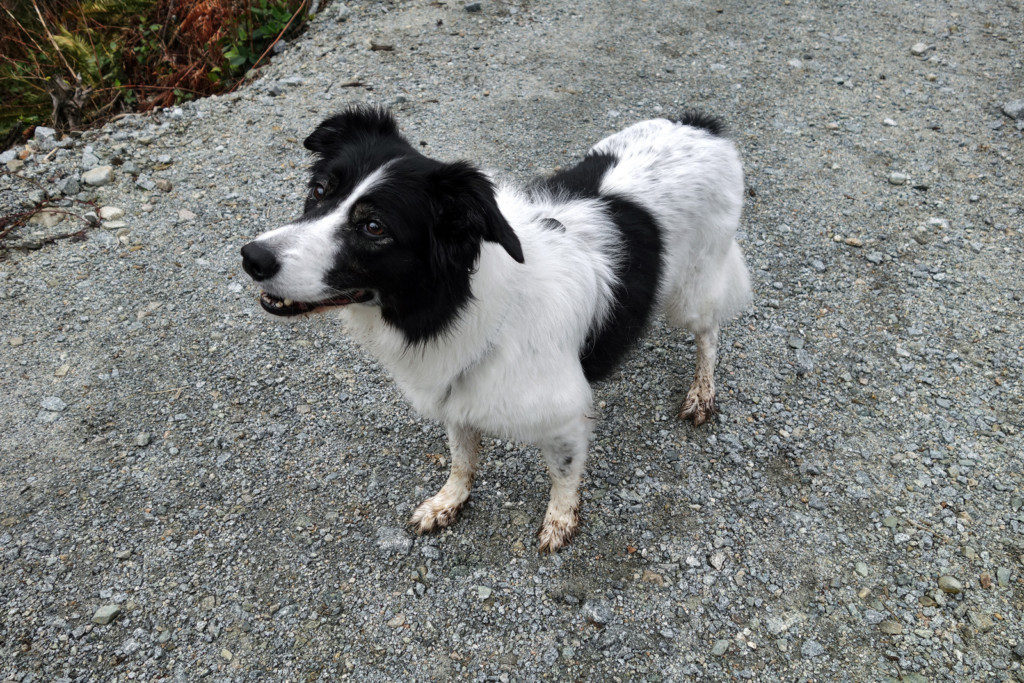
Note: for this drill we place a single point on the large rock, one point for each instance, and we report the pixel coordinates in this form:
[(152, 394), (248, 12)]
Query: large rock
[(106, 614), (101, 175), (1014, 109)]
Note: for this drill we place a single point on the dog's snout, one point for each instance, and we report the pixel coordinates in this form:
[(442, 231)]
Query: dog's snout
[(259, 261)]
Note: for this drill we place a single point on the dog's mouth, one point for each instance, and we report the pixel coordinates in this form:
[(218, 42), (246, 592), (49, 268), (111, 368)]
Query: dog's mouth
[(286, 307)]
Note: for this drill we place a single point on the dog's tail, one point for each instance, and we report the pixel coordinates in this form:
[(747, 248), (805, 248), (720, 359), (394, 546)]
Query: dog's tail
[(698, 119)]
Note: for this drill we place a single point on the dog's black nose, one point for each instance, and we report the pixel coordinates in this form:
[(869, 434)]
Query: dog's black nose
[(259, 262)]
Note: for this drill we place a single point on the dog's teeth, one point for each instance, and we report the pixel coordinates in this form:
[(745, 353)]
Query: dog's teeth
[(286, 302)]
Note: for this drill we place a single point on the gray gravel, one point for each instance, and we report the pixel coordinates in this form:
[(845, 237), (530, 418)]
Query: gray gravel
[(231, 491)]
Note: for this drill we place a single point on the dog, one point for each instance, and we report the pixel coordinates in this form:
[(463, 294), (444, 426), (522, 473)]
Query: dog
[(495, 307)]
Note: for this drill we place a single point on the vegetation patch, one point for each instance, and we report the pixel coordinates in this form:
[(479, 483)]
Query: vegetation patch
[(72, 63)]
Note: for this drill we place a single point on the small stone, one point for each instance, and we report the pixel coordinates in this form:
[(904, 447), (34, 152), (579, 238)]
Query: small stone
[(889, 122), (163, 184), (62, 371), (892, 628), (875, 257), (484, 592), (597, 612), (9, 155), (53, 404), (106, 614), (717, 560), (473, 6), (89, 158), (1014, 109), (985, 580), (226, 655), (44, 133), (854, 242), (393, 541), (69, 186), (947, 584), (811, 648), (396, 621), (47, 218), (1003, 577), (145, 182), (143, 439), (805, 366), (302, 409), (14, 165), (873, 616), (890, 522), (185, 215), (861, 568), (720, 647), (342, 12), (795, 342), (652, 577), (918, 49), (123, 554), (101, 175), (114, 225), (982, 622), (16, 341), (897, 178), (796, 63), (111, 213), (91, 217)]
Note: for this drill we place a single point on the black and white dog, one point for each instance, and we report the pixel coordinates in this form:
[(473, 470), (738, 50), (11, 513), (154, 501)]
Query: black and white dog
[(495, 307)]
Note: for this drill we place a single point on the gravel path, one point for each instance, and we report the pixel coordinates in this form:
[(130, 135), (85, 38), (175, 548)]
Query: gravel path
[(189, 489)]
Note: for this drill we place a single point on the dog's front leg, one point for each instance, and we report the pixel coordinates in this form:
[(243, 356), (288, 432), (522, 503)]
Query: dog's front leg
[(442, 509), (565, 456)]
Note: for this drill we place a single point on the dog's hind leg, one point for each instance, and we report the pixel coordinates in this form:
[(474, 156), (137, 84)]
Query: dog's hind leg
[(565, 455), (442, 509), (699, 404)]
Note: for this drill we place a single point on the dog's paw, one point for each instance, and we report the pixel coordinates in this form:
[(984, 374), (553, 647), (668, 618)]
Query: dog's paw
[(437, 512), (557, 530), (699, 406)]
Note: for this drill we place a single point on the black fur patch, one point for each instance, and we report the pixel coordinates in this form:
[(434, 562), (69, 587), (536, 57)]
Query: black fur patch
[(698, 119), (639, 274), (581, 180), (639, 271)]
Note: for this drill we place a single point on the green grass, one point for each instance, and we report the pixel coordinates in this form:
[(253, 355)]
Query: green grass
[(98, 58)]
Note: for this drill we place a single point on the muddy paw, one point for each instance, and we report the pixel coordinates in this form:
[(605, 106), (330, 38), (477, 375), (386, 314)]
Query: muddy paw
[(436, 513), (557, 530), (699, 406)]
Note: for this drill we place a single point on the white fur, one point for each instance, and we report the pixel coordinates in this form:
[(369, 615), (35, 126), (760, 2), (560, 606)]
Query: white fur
[(510, 366)]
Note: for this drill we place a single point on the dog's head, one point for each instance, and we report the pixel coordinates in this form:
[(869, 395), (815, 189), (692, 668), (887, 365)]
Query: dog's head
[(382, 225)]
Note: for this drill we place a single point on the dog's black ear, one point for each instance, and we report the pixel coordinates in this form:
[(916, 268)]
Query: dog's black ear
[(469, 209), (354, 122)]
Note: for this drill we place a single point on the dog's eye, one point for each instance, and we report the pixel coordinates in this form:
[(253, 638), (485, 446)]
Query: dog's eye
[(372, 228), (318, 191)]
